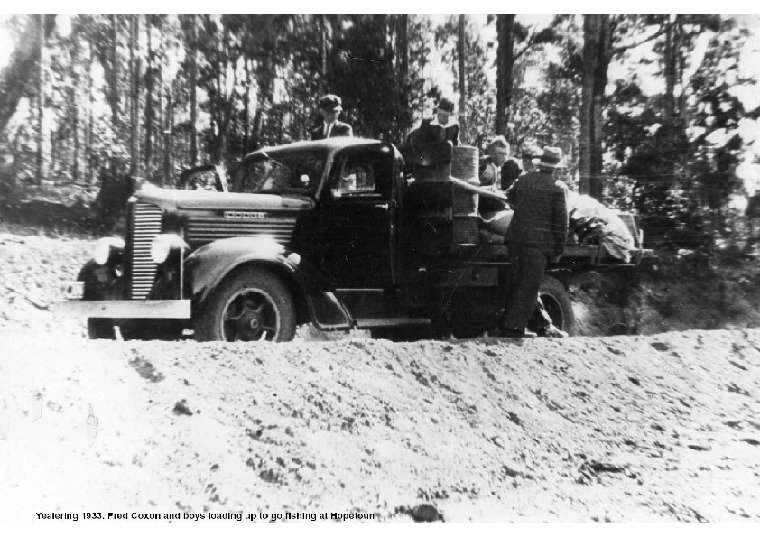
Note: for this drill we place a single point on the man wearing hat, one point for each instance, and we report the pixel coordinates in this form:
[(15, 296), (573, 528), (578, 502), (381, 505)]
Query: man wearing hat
[(530, 153), (440, 128), (536, 236), (330, 107), (513, 169)]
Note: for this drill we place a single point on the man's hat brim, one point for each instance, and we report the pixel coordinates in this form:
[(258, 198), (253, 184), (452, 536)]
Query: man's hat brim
[(551, 165)]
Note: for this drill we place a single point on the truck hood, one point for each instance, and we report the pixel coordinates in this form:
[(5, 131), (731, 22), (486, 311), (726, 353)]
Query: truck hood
[(203, 199)]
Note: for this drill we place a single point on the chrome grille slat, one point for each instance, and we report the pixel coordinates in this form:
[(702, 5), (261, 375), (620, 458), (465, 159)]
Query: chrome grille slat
[(146, 225)]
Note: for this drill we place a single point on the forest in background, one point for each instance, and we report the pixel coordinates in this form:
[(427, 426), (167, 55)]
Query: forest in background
[(656, 113)]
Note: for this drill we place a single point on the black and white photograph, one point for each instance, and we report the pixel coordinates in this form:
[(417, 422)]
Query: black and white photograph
[(368, 268)]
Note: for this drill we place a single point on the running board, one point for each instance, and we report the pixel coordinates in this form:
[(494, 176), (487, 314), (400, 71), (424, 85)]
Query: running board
[(375, 323)]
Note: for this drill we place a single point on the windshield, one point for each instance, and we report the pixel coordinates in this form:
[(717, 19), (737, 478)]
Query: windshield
[(298, 172)]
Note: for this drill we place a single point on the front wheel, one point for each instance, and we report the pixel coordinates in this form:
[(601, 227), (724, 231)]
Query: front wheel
[(558, 305), (100, 329), (249, 305), (98, 282)]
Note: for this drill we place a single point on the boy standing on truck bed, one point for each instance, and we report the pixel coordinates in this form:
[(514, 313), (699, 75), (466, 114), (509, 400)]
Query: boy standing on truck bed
[(440, 128), (535, 237)]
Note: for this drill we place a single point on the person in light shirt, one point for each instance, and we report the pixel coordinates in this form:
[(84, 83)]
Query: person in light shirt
[(439, 128)]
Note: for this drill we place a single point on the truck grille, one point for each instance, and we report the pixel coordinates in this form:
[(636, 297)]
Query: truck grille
[(204, 230), (147, 224)]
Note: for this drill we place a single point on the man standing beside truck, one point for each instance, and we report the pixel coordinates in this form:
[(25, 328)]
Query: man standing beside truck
[(535, 237), (330, 108)]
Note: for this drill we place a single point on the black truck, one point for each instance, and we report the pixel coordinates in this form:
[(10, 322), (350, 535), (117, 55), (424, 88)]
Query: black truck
[(344, 233)]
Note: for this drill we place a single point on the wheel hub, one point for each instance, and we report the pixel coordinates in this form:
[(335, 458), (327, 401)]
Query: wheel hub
[(250, 315)]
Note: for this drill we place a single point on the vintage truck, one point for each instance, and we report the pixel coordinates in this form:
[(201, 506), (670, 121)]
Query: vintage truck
[(343, 233)]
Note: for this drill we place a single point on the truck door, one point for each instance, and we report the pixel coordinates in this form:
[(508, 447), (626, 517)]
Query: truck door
[(359, 214)]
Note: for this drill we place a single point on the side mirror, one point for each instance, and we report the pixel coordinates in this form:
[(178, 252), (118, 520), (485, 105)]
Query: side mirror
[(336, 192)]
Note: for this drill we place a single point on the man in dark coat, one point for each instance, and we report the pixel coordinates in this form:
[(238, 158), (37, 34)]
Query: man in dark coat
[(440, 128), (535, 237), (330, 107)]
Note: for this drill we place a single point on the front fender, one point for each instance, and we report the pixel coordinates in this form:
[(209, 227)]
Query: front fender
[(211, 263)]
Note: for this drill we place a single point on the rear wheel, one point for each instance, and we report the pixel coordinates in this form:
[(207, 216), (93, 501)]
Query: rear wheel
[(249, 305), (558, 305)]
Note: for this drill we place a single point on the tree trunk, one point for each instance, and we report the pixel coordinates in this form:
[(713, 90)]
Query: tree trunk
[(257, 124), (17, 160), (461, 46), (75, 92), (168, 127), (591, 37), (21, 69), (402, 50), (505, 59), (43, 115), (193, 90), (596, 156), (221, 138), (322, 56), (671, 53), (134, 66), (113, 85), (161, 116), (246, 121), (92, 157), (149, 110)]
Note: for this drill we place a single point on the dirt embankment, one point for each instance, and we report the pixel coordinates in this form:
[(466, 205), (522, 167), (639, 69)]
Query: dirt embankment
[(662, 427)]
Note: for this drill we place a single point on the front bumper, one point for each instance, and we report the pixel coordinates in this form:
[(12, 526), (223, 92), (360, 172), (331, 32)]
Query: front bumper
[(124, 309)]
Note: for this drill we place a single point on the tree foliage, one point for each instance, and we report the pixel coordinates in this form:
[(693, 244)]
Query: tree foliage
[(651, 111)]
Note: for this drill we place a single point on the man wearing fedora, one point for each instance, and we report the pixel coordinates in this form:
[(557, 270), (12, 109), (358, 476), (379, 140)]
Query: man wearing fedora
[(329, 108), (440, 128), (536, 237)]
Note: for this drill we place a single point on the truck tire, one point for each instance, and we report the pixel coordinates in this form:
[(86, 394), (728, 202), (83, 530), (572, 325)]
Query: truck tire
[(100, 329), (96, 279), (558, 305), (251, 304)]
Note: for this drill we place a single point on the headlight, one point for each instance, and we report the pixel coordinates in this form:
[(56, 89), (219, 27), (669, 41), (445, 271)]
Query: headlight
[(108, 249), (163, 245)]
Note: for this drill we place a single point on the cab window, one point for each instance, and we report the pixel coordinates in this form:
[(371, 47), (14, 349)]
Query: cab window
[(280, 172), (362, 174)]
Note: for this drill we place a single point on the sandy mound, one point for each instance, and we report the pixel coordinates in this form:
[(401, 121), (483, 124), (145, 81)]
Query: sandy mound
[(622, 429)]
